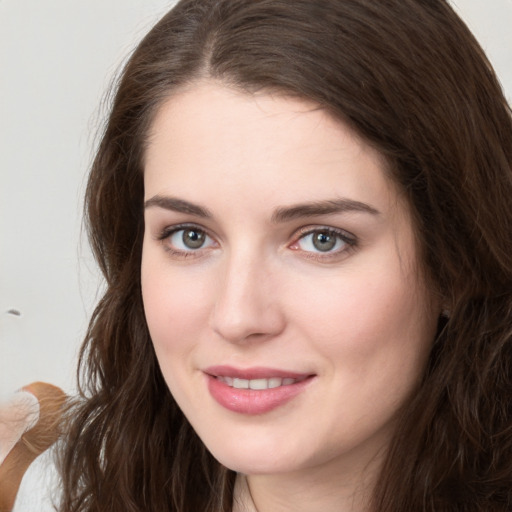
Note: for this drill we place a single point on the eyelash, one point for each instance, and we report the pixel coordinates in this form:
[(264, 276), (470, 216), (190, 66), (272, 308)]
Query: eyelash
[(349, 241), (172, 230), (346, 238)]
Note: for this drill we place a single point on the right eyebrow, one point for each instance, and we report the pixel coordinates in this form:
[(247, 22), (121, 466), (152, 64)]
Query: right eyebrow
[(317, 208), (177, 205)]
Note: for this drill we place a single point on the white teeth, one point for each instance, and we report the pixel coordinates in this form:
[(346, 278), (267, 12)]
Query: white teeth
[(275, 382), (241, 383), (257, 384)]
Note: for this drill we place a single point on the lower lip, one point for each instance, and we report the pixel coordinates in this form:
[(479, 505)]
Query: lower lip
[(250, 401)]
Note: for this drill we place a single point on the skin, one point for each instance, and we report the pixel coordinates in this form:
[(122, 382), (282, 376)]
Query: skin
[(359, 317)]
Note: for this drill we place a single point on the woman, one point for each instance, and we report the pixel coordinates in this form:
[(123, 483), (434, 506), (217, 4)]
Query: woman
[(302, 213)]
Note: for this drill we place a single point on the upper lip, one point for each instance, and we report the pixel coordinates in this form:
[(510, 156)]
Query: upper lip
[(257, 372)]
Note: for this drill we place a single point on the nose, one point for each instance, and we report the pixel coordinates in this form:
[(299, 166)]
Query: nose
[(247, 306)]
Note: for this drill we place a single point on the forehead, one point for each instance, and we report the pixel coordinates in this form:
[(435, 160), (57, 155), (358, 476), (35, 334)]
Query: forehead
[(210, 138)]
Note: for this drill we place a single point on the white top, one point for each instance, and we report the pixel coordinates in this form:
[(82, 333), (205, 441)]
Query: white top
[(39, 488)]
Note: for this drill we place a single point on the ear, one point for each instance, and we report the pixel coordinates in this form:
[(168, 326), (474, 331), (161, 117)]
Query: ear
[(29, 424)]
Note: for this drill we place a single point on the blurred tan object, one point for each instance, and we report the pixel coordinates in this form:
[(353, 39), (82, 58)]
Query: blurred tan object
[(29, 425)]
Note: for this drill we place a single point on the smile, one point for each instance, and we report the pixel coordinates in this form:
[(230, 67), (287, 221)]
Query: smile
[(254, 391), (258, 384)]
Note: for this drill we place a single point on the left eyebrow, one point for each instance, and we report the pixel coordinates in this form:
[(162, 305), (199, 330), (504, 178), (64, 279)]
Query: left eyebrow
[(175, 204), (316, 208)]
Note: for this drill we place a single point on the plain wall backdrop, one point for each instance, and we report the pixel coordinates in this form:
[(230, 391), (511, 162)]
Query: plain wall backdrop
[(57, 58)]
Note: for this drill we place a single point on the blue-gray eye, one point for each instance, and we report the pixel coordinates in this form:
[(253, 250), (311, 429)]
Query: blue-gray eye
[(189, 239), (193, 238), (321, 240)]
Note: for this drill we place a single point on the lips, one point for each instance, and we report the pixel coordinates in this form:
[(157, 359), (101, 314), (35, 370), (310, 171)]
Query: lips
[(254, 390)]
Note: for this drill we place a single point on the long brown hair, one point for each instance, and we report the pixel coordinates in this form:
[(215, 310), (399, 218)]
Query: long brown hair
[(408, 77)]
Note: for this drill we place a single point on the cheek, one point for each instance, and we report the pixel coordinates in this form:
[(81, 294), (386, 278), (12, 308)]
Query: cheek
[(374, 336), (373, 321), (175, 305), (176, 311)]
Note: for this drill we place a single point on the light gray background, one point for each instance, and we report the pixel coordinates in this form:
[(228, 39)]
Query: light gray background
[(57, 57)]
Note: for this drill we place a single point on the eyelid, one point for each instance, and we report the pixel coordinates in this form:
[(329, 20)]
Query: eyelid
[(172, 228), (307, 230), (347, 237), (311, 228), (168, 231)]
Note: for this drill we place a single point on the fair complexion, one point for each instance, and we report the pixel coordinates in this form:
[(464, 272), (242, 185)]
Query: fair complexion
[(277, 252)]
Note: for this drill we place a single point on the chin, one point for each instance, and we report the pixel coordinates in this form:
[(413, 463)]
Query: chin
[(263, 457), (256, 465)]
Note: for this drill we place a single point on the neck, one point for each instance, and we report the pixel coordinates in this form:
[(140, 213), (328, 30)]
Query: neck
[(329, 489)]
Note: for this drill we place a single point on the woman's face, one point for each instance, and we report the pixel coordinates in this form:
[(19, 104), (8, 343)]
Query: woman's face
[(280, 281)]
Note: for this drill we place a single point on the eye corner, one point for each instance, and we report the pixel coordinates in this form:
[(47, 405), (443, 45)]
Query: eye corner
[(174, 242), (338, 243)]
